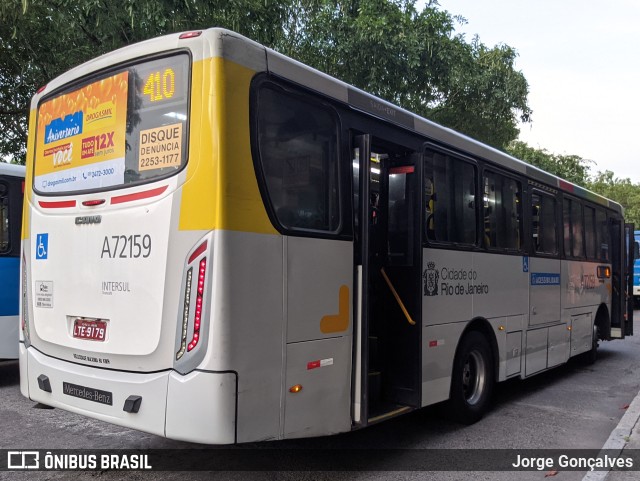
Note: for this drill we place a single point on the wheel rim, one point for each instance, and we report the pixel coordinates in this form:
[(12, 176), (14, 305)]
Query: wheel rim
[(474, 376)]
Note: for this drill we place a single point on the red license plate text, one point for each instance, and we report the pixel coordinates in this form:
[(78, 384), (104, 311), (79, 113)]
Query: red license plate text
[(92, 330)]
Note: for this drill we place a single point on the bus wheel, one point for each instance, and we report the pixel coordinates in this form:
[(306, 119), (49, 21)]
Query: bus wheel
[(473, 378), (591, 355)]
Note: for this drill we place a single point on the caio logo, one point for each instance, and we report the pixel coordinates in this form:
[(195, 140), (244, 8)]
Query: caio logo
[(23, 460)]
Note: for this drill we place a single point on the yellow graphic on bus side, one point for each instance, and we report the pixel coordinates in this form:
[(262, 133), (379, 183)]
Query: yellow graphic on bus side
[(221, 191), (337, 322)]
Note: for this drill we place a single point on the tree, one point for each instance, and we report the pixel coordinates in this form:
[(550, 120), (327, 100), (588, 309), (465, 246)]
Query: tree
[(569, 167), (387, 47), (485, 97), (623, 191), (415, 60), (40, 39), (576, 169)]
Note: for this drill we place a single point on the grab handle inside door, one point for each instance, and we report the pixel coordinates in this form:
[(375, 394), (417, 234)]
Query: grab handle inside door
[(397, 296)]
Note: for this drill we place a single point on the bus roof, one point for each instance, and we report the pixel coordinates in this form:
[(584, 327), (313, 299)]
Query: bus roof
[(12, 169), (218, 42)]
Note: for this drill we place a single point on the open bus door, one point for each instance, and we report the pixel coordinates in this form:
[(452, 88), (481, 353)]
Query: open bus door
[(388, 272), (631, 254), (620, 258)]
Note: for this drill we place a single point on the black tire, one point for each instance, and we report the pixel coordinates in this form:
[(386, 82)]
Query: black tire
[(473, 379), (591, 356)]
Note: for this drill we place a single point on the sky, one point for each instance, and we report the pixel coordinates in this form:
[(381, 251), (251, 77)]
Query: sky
[(581, 59)]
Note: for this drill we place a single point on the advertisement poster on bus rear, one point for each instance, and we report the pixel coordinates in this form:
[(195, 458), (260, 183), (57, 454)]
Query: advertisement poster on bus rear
[(80, 141)]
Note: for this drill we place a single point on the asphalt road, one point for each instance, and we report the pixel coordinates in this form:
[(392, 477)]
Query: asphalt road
[(573, 406)]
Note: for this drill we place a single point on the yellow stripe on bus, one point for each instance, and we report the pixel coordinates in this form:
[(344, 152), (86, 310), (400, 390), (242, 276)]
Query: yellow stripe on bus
[(28, 181), (221, 191)]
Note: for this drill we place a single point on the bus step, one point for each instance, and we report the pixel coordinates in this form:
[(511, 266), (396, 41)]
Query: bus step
[(395, 412)]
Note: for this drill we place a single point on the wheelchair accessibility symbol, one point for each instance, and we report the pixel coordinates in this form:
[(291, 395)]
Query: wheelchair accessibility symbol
[(42, 246)]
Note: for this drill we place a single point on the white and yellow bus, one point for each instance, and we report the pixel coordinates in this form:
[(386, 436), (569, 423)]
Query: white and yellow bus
[(223, 245)]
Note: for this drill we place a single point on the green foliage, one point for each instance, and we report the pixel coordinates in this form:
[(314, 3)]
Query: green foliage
[(569, 167), (413, 59), (386, 47), (485, 97), (576, 169), (623, 191), (40, 39)]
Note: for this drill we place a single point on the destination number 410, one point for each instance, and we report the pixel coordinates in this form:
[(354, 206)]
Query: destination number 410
[(160, 86)]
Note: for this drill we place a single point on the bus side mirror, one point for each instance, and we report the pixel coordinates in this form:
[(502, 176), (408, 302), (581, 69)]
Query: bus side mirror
[(636, 250)]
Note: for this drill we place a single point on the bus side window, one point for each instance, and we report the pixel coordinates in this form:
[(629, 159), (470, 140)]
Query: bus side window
[(502, 226), (577, 231), (602, 232), (535, 222), (430, 206), (4, 218), (298, 148), (450, 211), (566, 222), (573, 228), (543, 223), (590, 232)]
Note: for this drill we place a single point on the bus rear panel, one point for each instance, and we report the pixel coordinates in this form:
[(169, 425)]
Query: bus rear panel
[(111, 284)]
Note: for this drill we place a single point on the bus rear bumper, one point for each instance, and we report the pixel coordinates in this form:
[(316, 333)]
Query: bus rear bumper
[(199, 407)]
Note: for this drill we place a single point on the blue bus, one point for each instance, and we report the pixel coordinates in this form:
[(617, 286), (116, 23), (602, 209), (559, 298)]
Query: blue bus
[(11, 194), (636, 271)]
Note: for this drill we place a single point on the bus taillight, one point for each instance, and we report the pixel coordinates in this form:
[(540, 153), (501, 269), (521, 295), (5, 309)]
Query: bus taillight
[(199, 299), (189, 293)]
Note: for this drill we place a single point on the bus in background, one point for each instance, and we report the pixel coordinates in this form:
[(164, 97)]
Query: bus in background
[(11, 195), (636, 270), (223, 245)]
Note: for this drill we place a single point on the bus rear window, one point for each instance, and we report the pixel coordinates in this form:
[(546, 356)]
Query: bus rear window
[(120, 128)]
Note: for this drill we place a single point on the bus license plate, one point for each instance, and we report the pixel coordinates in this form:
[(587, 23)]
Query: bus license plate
[(93, 330)]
